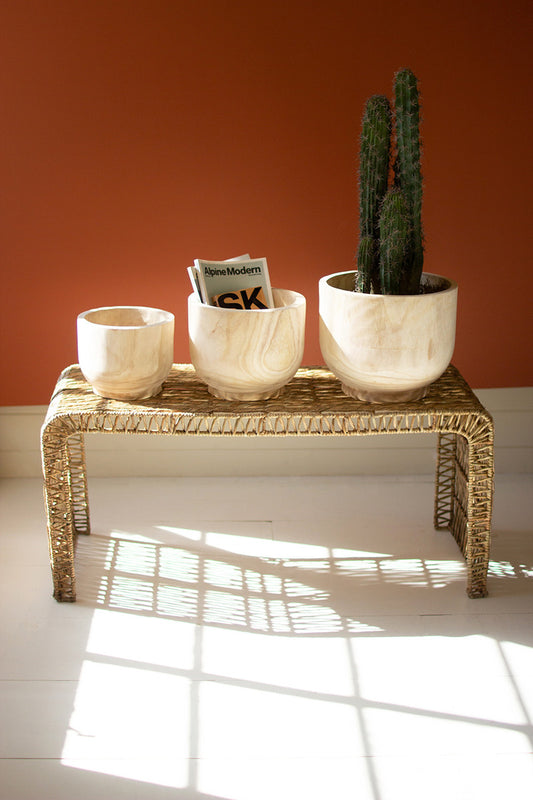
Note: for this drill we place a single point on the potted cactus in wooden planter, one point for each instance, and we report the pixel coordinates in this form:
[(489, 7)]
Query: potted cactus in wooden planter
[(387, 330)]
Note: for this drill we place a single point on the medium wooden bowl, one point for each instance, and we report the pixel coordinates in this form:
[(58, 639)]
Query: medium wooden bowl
[(247, 354)]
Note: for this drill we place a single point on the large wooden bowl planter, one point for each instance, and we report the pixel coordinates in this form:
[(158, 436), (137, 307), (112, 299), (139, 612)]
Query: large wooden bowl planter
[(387, 348)]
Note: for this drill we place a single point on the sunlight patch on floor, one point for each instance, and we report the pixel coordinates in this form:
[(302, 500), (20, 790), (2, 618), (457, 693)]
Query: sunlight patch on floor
[(208, 649)]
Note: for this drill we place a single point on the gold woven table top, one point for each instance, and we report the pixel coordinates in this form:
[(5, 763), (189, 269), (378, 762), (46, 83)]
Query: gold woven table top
[(311, 403)]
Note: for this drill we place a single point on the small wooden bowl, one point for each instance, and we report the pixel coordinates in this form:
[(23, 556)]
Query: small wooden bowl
[(125, 352)]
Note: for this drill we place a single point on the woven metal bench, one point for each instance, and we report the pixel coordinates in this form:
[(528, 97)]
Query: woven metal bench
[(312, 404)]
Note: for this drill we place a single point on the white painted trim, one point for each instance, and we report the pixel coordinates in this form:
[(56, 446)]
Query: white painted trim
[(125, 456)]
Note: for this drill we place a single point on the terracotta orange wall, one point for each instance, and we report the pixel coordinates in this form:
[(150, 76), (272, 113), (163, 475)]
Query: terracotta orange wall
[(137, 135)]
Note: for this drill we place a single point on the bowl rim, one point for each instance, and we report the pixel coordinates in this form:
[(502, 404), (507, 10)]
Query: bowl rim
[(298, 300), (167, 316), (451, 286)]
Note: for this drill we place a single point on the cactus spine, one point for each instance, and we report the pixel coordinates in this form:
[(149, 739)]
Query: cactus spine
[(390, 254), (374, 175)]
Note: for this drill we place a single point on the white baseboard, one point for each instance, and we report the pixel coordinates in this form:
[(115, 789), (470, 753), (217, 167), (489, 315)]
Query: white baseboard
[(132, 456)]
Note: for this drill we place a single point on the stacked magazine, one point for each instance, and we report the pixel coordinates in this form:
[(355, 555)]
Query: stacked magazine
[(240, 282)]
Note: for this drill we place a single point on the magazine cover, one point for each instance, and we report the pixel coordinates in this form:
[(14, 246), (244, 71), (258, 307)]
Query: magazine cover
[(236, 283)]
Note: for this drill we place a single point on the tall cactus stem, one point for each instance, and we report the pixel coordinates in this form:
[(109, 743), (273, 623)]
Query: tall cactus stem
[(407, 164), (374, 172)]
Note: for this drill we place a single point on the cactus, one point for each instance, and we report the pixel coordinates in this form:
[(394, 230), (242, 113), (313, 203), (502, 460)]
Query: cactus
[(390, 253), (366, 264), (396, 242), (374, 175), (407, 166)]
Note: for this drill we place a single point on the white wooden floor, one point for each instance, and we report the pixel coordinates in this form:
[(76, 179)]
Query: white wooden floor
[(265, 639)]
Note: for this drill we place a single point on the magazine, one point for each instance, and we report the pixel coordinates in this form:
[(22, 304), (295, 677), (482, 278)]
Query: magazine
[(194, 277), (240, 282), (195, 282)]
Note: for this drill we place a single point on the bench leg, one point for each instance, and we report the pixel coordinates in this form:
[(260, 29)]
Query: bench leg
[(445, 480), (78, 483), (58, 505), (476, 456), (464, 495)]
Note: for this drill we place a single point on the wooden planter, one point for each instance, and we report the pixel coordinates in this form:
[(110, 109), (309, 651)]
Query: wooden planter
[(247, 354), (387, 348), (125, 352)]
